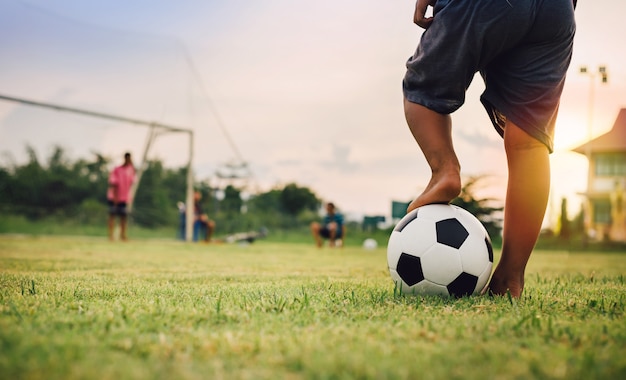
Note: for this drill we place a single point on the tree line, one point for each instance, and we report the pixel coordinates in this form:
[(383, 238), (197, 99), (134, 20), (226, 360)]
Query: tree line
[(66, 189), (60, 187)]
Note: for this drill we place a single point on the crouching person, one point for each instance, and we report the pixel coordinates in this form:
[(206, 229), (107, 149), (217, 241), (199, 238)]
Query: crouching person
[(331, 228)]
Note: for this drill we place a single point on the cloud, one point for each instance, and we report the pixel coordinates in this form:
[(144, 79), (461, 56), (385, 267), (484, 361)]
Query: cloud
[(340, 160), (480, 140)]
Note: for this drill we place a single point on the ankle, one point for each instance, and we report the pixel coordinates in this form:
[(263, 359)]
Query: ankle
[(440, 190), (502, 284), (447, 185)]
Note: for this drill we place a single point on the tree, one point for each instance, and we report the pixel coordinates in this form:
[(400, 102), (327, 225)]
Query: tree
[(231, 204), (265, 202), (175, 181), (58, 188), (152, 206), (284, 208), (264, 210), (295, 199)]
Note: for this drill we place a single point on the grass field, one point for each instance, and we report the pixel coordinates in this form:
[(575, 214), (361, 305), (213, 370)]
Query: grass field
[(73, 307)]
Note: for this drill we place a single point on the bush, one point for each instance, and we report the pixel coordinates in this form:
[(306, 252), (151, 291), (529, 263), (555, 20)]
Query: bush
[(92, 212)]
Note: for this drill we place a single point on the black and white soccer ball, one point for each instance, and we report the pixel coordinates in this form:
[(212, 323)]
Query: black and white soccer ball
[(440, 250)]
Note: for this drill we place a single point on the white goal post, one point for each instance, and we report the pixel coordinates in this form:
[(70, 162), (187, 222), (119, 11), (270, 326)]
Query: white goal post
[(155, 130)]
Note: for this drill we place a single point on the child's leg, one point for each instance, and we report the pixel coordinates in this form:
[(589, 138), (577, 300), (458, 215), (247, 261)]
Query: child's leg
[(123, 224), (526, 199), (315, 231), (111, 225), (433, 133), (210, 227)]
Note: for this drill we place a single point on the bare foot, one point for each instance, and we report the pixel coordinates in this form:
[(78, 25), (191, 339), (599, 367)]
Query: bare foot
[(441, 189), (501, 285)]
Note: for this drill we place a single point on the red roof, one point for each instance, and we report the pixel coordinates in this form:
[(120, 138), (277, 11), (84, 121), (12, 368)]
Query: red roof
[(612, 141)]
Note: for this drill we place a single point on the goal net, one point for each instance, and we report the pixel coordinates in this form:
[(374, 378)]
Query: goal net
[(90, 89)]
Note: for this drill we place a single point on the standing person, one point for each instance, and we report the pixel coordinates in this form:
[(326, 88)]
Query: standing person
[(331, 228), (201, 217), (522, 48), (118, 195)]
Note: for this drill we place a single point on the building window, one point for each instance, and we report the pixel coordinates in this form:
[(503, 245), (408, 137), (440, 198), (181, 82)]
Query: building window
[(611, 164), (602, 211)]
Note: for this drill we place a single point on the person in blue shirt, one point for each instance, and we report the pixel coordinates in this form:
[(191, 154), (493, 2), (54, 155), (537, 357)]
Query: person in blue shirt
[(331, 228)]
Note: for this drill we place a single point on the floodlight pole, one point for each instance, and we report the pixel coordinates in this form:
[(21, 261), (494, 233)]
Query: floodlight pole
[(604, 78)]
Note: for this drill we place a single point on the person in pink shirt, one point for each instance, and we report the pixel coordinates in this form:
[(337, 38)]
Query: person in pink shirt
[(118, 195)]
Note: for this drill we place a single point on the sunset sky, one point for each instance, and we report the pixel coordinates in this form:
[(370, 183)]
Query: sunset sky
[(308, 91)]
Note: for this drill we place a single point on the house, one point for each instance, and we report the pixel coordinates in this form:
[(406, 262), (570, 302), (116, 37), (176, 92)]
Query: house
[(605, 207)]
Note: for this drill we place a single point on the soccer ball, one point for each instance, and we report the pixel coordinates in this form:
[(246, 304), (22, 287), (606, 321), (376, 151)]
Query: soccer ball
[(440, 249), (370, 244)]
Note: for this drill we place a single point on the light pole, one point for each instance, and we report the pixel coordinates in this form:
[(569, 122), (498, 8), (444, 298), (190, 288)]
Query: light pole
[(604, 77)]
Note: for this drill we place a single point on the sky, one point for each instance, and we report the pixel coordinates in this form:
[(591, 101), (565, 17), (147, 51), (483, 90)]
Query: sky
[(304, 92)]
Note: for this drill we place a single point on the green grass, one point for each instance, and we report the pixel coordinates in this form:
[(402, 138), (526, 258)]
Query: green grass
[(160, 309), (63, 226), (59, 226)]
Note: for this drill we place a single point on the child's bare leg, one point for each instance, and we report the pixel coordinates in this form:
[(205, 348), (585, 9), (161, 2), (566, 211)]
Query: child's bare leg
[(526, 199), (433, 133), (315, 230), (210, 227), (332, 234), (111, 225), (123, 224)]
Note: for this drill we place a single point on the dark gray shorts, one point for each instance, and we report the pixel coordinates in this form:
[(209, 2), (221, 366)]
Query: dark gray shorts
[(522, 48), (325, 232), (117, 209)]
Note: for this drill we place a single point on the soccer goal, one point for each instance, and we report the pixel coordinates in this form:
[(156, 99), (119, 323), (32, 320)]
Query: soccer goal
[(155, 129)]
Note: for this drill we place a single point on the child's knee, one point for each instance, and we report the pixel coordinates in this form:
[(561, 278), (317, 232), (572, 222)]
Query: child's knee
[(516, 139)]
